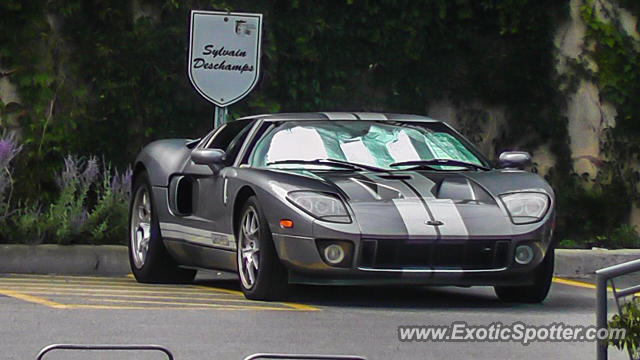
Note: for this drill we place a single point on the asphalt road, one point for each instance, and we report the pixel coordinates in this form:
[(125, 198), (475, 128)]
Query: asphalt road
[(211, 320)]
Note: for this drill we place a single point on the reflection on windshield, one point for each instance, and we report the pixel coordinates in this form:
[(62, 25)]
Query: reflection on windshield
[(363, 142)]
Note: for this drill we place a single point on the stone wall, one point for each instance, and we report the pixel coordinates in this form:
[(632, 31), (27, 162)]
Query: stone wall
[(588, 115), (10, 98)]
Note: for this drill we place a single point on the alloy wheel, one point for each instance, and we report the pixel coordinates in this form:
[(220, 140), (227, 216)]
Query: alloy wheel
[(249, 248), (140, 226)]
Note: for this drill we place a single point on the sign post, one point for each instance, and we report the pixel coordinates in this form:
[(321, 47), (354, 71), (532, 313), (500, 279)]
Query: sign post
[(224, 57), (219, 116)]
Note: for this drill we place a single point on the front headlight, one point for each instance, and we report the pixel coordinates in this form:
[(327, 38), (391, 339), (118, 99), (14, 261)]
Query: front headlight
[(320, 205), (526, 207)]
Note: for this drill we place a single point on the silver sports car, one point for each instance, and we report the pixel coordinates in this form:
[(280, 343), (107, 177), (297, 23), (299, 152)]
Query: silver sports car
[(340, 198)]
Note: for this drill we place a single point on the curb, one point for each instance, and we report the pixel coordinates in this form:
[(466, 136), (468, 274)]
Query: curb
[(112, 260), (100, 260), (578, 263)]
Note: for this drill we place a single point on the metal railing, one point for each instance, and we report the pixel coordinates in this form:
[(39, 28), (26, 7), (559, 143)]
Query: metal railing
[(603, 276), (303, 357), (53, 347), (169, 355)]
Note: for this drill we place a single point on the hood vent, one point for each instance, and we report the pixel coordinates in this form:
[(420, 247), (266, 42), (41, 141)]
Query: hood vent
[(459, 188), (395, 177)]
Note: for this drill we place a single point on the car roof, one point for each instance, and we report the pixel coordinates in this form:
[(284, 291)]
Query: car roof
[(340, 116)]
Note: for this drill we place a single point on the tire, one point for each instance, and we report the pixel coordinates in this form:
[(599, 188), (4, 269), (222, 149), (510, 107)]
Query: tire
[(535, 293), (150, 262), (260, 272)]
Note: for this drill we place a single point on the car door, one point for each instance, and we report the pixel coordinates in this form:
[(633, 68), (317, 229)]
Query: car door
[(197, 195)]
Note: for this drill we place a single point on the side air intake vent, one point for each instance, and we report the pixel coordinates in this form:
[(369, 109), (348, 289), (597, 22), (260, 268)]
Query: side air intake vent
[(184, 195), (181, 195)]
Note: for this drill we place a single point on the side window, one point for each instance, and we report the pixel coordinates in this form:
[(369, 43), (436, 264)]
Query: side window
[(231, 137), (258, 148)]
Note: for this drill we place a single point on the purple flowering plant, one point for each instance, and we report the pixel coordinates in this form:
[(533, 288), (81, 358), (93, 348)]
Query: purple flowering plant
[(9, 149), (91, 204)]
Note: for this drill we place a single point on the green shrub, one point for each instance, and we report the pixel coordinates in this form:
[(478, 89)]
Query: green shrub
[(26, 225), (623, 236), (570, 244), (91, 207), (628, 319)]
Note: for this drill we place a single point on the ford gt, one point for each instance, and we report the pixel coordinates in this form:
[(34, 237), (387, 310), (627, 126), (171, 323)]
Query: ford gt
[(341, 198)]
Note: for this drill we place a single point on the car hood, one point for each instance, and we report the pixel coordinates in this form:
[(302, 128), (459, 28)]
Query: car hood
[(431, 204)]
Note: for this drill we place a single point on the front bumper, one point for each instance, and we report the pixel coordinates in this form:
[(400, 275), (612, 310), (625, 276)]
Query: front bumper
[(460, 262)]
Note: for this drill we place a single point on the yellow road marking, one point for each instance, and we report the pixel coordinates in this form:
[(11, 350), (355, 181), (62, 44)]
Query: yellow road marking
[(583, 284), (115, 285), (31, 288), (128, 296), (32, 299), (239, 293), (577, 283), (228, 291), (67, 277), (131, 290), (118, 307), (216, 306), (69, 281), (302, 306), (133, 286), (177, 305)]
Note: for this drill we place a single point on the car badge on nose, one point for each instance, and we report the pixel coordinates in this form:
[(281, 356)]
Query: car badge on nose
[(434, 222)]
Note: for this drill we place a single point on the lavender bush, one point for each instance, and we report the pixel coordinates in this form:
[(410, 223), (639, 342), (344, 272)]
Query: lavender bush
[(9, 149), (91, 206), (93, 203), (107, 222)]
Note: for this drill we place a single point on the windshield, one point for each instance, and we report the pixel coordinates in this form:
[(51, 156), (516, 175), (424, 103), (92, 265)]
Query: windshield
[(372, 143)]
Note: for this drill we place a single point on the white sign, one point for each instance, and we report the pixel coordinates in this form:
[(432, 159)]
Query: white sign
[(224, 54)]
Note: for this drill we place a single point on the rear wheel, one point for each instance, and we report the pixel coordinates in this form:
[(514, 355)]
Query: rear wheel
[(535, 293), (261, 275), (150, 262)]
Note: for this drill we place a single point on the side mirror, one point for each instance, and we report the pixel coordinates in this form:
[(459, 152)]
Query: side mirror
[(214, 158), (514, 159)]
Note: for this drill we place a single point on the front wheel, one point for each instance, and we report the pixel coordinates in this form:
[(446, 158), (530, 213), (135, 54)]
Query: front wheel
[(150, 261), (535, 293), (261, 275)]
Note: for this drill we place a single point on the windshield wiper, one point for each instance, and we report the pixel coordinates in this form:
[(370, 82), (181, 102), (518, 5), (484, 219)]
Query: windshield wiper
[(440, 162), (330, 162)]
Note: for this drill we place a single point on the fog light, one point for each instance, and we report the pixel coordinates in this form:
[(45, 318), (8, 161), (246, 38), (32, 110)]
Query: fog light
[(334, 254), (524, 254)]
